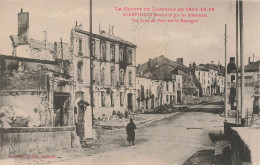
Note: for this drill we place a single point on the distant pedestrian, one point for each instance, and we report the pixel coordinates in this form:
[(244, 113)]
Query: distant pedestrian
[(130, 131)]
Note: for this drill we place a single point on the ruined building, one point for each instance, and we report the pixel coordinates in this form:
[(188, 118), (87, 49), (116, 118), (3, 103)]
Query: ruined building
[(211, 78), (113, 69), (152, 92), (156, 85), (36, 95)]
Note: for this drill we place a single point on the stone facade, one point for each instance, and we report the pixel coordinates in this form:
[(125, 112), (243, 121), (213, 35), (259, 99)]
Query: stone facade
[(251, 91), (211, 79), (152, 93), (113, 69)]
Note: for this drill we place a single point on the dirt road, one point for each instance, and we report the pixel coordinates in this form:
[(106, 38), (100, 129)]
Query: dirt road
[(171, 141)]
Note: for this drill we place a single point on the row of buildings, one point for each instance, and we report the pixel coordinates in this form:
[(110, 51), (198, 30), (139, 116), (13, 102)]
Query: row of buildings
[(45, 88), (198, 81)]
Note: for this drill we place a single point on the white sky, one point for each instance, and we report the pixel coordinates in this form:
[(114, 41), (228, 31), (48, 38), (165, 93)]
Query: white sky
[(201, 42)]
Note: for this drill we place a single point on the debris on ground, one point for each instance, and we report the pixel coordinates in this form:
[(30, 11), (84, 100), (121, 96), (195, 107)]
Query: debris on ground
[(192, 100), (205, 157), (214, 137)]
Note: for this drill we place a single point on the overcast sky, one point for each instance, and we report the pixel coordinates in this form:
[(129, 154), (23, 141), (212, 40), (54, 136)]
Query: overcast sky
[(201, 42)]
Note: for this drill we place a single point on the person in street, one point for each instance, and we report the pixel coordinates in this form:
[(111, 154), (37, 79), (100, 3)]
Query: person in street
[(130, 131)]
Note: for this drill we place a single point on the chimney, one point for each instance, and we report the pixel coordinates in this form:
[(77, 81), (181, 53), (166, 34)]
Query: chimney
[(76, 24), (212, 62), (232, 59), (109, 30), (99, 28), (112, 29), (149, 63), (23, 27), (231, 66), (45, 36), (249, 60), (179, 61)]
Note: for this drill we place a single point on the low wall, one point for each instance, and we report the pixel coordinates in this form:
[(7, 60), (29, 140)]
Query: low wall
[(24, 140), (227, 129), (240, 152)]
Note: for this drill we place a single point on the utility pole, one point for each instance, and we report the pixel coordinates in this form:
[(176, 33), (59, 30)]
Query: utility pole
[(61, 50), (91, 60), (242, 62), (225, 72), (237, 86)]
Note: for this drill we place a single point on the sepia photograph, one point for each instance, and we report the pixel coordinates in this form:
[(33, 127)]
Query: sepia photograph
[(129, 82)]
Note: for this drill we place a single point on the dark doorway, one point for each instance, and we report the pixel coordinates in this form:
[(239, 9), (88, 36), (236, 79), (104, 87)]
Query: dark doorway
[(160, 96), (152, 101), (129, 101), (178, 97), (61, 107), (232, 98), (256, 105)]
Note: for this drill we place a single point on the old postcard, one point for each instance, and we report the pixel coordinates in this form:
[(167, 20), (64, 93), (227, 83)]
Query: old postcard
[(129, 82)]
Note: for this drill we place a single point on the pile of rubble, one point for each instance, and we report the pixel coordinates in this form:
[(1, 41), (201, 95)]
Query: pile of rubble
[(192, 100), (118, 118), (165, 109)]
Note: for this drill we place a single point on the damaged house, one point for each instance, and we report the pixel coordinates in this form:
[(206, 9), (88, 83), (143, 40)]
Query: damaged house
[(113, 71), (190, 84), (36, 95), (211, 78), (152, 92), (156, 85)]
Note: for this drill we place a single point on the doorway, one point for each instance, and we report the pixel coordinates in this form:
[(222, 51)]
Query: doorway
[(130, 101), (61, 107), (178, 97)]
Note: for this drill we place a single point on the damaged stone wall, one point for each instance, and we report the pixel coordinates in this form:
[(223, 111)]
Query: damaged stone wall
[(25, 96), (26, 141), (15, 80), (24, 110), (23, 99)]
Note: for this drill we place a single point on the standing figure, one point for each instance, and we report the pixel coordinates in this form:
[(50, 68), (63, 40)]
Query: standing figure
[(130, 131)]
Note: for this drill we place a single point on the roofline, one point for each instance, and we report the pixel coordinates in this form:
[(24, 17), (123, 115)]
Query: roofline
[(104, 37)]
